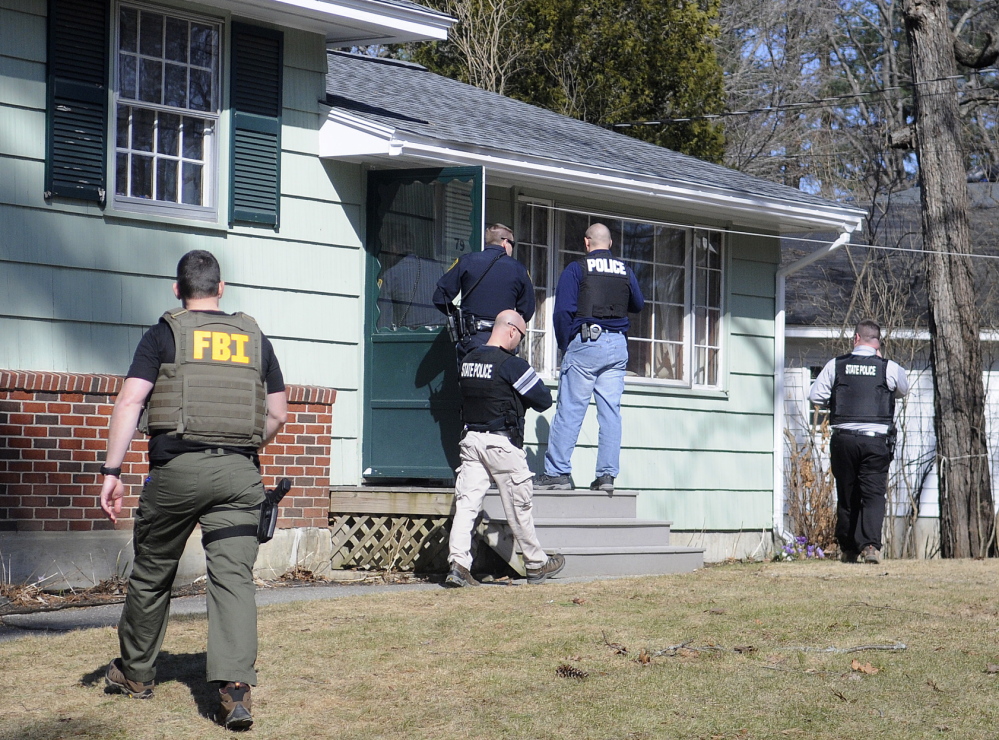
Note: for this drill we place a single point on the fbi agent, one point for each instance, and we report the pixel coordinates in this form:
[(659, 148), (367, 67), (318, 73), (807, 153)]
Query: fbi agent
[(860, 390), (489, 281), (496, 389), (213, 394), (592, 300)]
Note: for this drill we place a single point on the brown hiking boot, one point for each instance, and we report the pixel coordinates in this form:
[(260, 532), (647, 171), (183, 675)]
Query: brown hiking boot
[(552, 566), (459, 577), (235, 706), (871, 554), (115, 681)]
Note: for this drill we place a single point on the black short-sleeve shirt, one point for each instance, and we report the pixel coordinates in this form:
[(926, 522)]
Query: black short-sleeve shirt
[(157, 348)]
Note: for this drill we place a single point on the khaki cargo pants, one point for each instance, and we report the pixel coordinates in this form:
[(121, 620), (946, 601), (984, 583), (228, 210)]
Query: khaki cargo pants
[(484, 457), (218, 491)]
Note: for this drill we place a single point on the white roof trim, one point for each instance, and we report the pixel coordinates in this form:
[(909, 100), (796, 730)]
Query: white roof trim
[(346, 22), (347, 136)]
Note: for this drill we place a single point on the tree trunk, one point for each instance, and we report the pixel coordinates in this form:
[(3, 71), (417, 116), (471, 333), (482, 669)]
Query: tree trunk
[(967, 515)]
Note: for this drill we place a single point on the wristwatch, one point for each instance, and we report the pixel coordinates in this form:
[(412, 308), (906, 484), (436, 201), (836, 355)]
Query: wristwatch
[(111, 471)]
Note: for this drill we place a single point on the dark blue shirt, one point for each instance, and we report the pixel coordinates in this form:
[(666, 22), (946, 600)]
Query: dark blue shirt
[(507, 285), (566, 322)]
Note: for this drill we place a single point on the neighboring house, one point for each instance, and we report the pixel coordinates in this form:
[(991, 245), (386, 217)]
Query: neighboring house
[(822, 307), (131, 133)]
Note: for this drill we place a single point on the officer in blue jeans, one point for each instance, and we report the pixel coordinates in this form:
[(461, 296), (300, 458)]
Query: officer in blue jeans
[(593, 298)]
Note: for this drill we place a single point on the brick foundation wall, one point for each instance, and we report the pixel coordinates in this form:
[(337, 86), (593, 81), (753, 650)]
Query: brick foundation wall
[(53, 436)]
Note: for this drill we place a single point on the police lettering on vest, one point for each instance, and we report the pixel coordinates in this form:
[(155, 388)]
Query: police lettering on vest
[(605, 289), (476, 370), (605, 264), (214, 390)]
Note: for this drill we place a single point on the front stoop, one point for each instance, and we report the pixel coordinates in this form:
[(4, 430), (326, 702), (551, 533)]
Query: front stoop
[(596, 531)]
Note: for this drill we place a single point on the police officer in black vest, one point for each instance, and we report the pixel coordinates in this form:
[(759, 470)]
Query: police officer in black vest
[(860, 390), (592, 301), (496, 389), (213, 395), (489, 281)]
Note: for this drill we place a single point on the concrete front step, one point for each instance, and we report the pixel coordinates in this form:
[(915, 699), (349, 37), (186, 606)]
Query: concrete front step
[(578, 504), (630, 561), (558, 533)]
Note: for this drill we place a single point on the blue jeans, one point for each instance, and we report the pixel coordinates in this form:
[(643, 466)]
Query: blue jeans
[(589, 368)]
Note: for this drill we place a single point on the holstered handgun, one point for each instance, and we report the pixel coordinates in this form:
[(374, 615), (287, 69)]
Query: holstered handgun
[(890, 439), (269, 510)]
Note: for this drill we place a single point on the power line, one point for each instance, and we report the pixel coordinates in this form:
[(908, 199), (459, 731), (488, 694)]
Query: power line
[(809, 105), (806, 240)]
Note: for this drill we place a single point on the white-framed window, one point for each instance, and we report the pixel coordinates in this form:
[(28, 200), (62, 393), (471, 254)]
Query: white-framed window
[(166, 116), (677, 339)]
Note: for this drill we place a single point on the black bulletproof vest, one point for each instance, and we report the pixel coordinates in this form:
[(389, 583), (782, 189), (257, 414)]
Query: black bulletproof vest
[(488, 403), (860, 393), (605, 289)]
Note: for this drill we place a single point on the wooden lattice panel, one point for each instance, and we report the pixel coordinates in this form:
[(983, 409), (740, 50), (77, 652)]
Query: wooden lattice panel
[(392, 541)]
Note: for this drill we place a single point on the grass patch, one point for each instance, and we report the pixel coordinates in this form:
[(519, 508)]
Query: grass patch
[(738, 651)]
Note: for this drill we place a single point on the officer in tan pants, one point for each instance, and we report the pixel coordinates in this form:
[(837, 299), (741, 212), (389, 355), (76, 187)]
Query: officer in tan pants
[(496, 389)]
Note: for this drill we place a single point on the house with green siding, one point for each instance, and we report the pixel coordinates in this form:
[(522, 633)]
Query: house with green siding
[(335, 189)]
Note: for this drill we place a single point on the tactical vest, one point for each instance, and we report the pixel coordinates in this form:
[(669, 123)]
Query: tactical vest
[(213, 391), (488, 402), (605, 290), (860, 393)]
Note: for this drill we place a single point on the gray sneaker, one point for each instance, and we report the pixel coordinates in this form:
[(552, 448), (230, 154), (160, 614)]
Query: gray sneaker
[(458, 577), (603, 483), (552, 566), (545, 482), (871, 554)]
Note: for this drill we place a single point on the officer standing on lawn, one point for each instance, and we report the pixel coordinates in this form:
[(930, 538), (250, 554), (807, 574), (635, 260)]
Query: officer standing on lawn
[(213, 395), (593, 298), (489, 281), (860, 389), (496, 389)]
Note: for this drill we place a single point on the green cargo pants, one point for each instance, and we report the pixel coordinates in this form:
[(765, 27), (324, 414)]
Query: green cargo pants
[(218, 491)]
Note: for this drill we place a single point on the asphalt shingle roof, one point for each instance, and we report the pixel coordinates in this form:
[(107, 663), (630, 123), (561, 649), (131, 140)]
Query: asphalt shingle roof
[(410, 98)]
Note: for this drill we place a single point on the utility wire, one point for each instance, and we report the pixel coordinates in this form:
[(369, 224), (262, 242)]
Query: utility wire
[(808, 105), (805, 240)]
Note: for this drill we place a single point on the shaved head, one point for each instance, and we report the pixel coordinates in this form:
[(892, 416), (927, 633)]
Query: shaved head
[(598, 236), (508, 330)]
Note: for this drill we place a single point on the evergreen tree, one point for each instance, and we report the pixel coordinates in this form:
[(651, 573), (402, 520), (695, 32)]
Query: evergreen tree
[(601, 61)]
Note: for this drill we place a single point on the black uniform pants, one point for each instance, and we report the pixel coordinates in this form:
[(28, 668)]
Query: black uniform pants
[(860, 467)]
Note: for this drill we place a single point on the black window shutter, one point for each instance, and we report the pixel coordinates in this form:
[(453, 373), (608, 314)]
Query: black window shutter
[(77, 121), (255, 95)]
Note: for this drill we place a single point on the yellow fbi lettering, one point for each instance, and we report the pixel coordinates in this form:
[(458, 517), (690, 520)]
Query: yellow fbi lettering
[(221, 346)]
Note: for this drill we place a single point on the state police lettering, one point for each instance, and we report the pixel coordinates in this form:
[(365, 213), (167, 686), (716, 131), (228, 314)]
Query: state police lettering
[(221, 346), (477, 370), (860, 370), (603, 264)]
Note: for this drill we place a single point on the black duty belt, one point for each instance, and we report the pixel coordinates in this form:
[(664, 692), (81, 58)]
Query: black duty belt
[(500, 432), (483, 325), (858, 433), (591, 332)]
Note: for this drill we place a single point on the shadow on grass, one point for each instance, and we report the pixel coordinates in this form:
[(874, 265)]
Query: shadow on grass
[(186, 668), (63, 727)]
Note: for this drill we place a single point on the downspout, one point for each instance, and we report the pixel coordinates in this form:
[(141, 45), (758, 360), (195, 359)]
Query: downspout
[(779, 325)]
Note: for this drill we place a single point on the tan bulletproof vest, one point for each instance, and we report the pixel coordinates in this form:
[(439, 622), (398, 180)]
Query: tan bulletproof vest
[(213, 391)]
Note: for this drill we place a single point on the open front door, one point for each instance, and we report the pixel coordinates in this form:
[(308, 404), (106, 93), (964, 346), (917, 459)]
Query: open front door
[(419, 223)]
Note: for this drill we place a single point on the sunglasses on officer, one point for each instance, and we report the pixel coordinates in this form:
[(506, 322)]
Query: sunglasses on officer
[(523, 336)]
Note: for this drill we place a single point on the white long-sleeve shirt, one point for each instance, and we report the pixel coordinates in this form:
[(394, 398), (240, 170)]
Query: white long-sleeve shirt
[(821, 390)]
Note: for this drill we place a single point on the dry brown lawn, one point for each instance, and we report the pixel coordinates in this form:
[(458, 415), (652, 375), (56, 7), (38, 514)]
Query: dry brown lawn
[(738, 651)]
